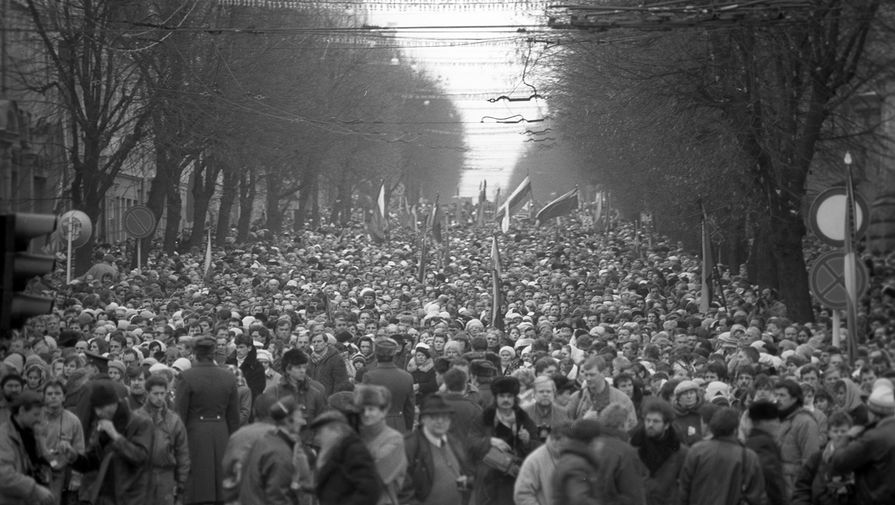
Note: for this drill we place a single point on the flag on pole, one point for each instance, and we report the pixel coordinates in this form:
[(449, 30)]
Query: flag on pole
[(379, 220), (208, 271), (706, 298), (517, 197), (415, 220), (505, 222), (421, 271), (851, 259), (598, 212), (380, 201), (496, 320), (561, 206), (483, 197), (434, 223)]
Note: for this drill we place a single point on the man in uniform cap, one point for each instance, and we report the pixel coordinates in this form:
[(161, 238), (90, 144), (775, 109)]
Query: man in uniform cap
[(208, 403), (399, 382)]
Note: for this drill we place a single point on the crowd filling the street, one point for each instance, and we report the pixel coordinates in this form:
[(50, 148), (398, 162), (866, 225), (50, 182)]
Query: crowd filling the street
[(323, 367)]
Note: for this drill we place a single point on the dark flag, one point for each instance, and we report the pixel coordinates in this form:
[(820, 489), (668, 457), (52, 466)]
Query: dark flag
[(559, 207)]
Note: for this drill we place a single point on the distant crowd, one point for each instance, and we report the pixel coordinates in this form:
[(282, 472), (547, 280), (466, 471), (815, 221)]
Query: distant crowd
[(319, 368)]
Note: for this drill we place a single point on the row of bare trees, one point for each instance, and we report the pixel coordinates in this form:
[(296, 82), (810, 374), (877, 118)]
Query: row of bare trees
[(733, 117), (249, 106)]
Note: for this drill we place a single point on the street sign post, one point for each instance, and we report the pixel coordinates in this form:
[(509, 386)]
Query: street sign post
[(827, 216), (139, 222), (76, 228)]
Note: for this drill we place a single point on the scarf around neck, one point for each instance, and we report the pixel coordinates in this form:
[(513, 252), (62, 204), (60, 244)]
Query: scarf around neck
[(654, 452)]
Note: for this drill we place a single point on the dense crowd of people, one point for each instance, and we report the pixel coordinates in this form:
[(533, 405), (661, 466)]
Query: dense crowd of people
[(323, 368)]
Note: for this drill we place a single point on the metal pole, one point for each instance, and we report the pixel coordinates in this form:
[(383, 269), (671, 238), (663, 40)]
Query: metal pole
[(139, 255), (68, 255), (837, 329)]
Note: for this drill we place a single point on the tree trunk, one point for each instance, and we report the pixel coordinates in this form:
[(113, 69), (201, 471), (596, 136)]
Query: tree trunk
[(274, 221), (247, 194), (206, 176), (173, 217), (158, 189), (228, 196)]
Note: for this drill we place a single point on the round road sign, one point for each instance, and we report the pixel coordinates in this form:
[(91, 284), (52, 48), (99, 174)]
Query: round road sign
[(827, 279), (139, 221), (78, 224), (827, 216)]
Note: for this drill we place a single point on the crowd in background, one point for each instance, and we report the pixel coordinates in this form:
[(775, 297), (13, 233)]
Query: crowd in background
[(317, 368)]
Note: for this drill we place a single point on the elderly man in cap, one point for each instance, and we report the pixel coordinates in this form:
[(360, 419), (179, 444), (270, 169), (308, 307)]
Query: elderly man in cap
[(439, 469), (207, 401), (397, 381)]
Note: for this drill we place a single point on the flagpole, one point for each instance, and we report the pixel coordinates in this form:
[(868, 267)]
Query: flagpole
[(850, 262)]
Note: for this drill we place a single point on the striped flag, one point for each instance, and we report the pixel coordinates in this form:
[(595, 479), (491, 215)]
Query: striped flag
[(851, 259), (379, 220), (517, 197), (561, 206), (496, 320)]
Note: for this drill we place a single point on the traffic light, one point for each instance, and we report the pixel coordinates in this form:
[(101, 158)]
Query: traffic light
[(19, 266)]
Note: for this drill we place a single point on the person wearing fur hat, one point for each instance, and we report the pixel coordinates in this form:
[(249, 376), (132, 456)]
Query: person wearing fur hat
[(424, 381), (296, 383), (687, 421), (385, 444), (870, 452), (506, 427), (123, 438), (762, 422)]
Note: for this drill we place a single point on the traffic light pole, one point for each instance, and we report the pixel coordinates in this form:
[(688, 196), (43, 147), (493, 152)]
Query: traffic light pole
[(7, 265)]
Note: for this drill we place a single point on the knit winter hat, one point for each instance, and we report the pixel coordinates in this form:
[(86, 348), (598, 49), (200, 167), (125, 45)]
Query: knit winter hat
[(882, 398), (685, 386)]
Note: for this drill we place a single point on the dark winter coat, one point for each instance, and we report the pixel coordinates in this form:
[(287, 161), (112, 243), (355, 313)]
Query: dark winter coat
[(421, 466), (349, 476), (660, 485), (721, 472), (576, 478), (207, 401), (118, 471), (816, 485), (493, 487), (17, 483), (252, 371), (400, 384), (268, 471), (768, 453), (329, 371), (872, 457)]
